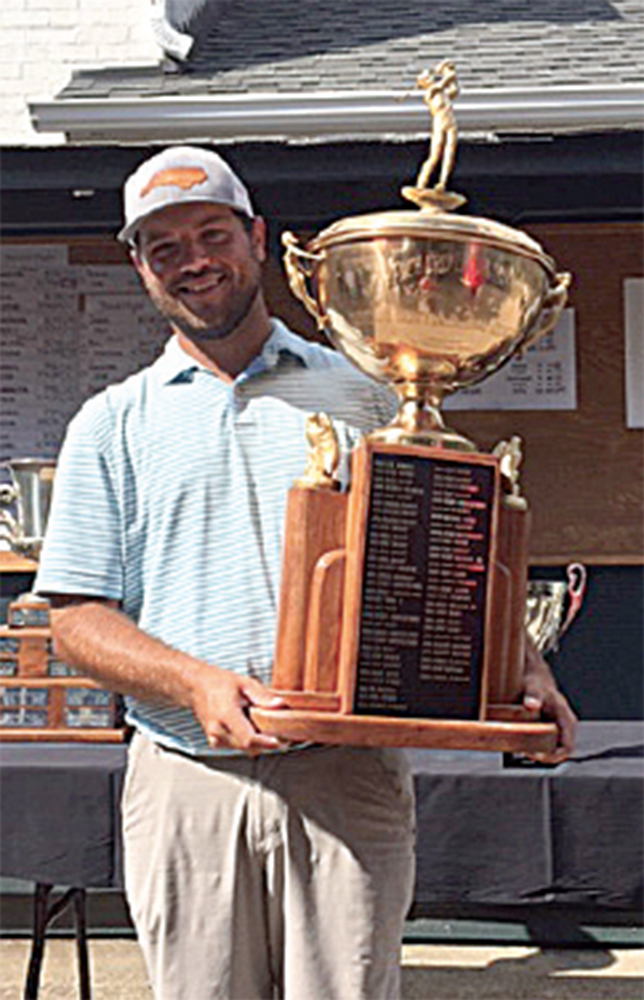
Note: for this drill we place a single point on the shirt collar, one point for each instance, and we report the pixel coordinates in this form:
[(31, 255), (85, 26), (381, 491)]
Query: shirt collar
[(176, 365)]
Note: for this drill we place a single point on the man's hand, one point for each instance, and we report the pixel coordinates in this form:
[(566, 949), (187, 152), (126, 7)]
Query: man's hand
[(220, 702), (541, 695)]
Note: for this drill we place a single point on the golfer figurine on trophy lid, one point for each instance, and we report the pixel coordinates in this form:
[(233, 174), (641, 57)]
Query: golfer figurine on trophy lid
[(403, 603)]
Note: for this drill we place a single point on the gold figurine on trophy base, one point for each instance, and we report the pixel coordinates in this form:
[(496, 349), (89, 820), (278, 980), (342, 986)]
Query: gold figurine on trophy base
[(440, 87)]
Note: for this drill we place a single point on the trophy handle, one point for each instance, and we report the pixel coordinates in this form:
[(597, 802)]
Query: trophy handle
[(8, 491), (9, 528), (8, 494), (325, 622), (553, 305), (577, 578), (299, 271)]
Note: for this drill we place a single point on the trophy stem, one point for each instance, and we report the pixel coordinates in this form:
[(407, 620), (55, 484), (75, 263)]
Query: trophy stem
[(419, 421)]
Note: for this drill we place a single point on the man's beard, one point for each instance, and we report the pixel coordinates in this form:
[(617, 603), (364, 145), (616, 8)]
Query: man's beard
[(198, 329)]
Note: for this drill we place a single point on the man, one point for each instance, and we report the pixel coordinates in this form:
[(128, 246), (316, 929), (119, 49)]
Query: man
[(253, 869)]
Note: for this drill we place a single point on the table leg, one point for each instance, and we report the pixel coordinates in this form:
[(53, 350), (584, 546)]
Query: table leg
[(41, 896), (80, 899), (44, 915)]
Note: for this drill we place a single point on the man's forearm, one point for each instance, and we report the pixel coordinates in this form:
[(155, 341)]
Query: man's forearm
[(95, 637)]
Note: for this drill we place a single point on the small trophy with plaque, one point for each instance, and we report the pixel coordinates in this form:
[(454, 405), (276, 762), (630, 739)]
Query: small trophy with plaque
[(41, 697), (403, 603)]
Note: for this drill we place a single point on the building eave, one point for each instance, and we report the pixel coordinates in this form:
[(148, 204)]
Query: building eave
[(324, 116)]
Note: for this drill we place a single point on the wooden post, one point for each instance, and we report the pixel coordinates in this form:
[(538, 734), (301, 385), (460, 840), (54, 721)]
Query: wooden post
[(513, 552), (315, 524)]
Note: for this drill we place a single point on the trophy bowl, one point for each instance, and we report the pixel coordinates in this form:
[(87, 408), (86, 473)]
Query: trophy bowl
[(28, 495), (427, 301)]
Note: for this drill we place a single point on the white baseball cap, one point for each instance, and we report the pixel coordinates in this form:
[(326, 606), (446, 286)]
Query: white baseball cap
[(180, 174)]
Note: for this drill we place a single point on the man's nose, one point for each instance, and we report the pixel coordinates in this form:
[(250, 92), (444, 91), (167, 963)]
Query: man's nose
[(193, 254)]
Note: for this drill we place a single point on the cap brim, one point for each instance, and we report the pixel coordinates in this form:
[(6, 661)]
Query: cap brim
[(127, 233)]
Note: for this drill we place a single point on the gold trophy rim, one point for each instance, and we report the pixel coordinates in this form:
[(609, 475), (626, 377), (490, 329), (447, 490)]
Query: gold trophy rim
[(421, 224)]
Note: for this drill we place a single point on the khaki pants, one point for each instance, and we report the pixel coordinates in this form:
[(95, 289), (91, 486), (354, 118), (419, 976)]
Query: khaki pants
[(284, 876)]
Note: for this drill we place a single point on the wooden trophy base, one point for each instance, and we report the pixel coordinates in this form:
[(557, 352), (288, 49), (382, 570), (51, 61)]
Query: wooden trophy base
[(302, 726), (402, 609)]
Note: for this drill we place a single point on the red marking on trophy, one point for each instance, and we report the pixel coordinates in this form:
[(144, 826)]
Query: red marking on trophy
[(473, 276)]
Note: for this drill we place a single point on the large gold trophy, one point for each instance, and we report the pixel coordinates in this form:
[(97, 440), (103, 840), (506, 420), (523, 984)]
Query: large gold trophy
[(403, 603)]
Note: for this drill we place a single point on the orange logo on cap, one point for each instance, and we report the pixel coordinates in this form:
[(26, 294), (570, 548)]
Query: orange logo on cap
[(181, 177)]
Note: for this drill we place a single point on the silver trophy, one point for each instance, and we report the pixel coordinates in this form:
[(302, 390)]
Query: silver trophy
[(24, 503), (547, 617)]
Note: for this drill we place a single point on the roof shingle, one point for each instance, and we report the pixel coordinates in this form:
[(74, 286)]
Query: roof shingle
[(280, 46)]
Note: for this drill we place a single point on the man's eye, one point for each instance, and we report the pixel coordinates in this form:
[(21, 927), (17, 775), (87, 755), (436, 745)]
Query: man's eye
[(214, 237), (162, 254)]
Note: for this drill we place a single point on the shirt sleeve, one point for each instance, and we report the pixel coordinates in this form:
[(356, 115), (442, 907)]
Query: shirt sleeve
[(82, 549)]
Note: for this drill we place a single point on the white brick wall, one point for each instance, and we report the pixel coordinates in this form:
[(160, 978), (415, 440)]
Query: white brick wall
[(43, 41)]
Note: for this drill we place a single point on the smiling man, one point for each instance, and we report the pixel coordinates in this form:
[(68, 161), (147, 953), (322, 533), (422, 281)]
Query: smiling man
[(253, 869)]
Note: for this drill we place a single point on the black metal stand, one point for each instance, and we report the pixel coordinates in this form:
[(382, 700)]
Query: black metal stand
[(44, 915)]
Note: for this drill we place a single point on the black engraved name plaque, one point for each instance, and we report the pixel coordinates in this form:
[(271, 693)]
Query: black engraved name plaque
[(425, 586)]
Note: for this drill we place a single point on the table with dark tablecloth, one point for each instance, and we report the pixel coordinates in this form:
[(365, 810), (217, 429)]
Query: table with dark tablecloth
[(571, 834), (59, 813), (487, 834)]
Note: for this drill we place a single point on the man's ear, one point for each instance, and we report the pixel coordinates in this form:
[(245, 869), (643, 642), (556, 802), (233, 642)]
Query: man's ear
[(136, 258), (258, 238)]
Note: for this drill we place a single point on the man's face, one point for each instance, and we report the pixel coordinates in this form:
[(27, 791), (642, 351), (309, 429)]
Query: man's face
[(201, 268)]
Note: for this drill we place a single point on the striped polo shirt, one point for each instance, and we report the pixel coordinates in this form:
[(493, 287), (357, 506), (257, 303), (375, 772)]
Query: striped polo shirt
[(170, 497)]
